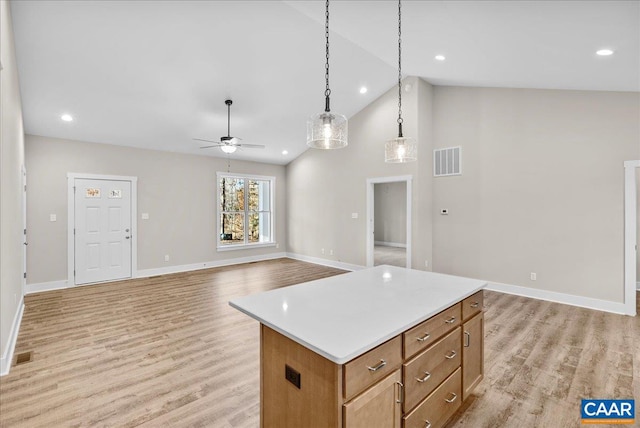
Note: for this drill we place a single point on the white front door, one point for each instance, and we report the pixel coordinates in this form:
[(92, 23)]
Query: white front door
[(102, 230)]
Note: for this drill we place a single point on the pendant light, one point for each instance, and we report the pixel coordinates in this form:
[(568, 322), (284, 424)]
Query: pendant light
[(327, 130), (400, 149)]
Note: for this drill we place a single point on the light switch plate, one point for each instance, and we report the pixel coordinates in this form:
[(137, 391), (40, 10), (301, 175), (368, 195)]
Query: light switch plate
[(145, 216), (53, 217)]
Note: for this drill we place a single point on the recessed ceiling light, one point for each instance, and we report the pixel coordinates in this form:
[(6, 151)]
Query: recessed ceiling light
[(604, 52), (440, 57), (66, 117), (363, 90), (284, 153)]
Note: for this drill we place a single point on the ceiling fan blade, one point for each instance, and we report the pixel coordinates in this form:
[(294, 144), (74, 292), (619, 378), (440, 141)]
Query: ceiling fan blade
[(206, 141), (252, 146), (208, 147)]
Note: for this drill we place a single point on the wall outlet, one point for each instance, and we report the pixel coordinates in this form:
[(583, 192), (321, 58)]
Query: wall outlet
[(426, 263), (53, 217), (533, 276), (322, 251), (166, 258), (145, 216), (331, 252), (277, 245), (354, 215)]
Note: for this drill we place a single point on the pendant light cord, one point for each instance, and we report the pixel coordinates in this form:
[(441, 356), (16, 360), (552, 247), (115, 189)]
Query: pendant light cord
[(327, 91), (399, 68)]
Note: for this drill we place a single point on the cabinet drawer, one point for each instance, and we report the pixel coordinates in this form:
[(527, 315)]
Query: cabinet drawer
[(438, 407), (426, 333), (369, 368), (428, 369), (472, 305)]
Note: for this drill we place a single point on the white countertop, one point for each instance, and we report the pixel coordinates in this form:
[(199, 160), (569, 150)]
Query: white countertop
[(344, 316)]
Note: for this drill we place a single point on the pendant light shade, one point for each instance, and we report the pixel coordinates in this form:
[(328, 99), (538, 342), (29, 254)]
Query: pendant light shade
[(327, 130), (400, 149)]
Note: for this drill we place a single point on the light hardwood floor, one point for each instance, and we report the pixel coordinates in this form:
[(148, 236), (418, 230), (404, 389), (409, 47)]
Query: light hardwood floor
[(169, 351)]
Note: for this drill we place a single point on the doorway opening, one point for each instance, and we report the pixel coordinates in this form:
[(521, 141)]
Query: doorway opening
[(389, 221), (631, 228)]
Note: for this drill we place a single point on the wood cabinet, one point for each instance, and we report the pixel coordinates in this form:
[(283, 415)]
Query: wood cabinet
[(418, 378), (379, 406), (427, 370), (472, 354), (439, 406), (367, 369)]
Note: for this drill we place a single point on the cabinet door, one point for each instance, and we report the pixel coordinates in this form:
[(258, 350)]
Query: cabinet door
[(472, 354), (378, 406)]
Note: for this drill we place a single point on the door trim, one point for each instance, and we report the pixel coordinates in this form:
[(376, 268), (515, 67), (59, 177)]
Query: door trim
[(23, 170), (630, 235), (71, 178), (370, 213)]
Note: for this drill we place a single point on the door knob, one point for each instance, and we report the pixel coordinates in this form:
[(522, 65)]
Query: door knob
[(127, 237)]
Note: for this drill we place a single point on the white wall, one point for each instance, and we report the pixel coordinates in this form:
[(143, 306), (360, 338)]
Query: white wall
[(11, 161), (541, 191), (542, 188), (325, 187), (177, 191), (390, 207)]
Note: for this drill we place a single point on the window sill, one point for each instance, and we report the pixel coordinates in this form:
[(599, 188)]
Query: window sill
[(245, 246)]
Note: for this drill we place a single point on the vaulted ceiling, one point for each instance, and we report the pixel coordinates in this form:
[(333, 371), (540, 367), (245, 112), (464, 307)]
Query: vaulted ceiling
[(155, 74)]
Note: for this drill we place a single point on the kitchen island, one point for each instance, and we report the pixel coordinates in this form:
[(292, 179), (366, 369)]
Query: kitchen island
[(380, 347)]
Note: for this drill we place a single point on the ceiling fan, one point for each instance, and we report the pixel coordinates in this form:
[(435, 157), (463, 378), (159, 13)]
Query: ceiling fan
[(229, 144)]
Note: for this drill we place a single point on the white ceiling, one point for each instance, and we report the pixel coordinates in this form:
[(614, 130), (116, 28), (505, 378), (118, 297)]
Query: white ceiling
[(155, 74)]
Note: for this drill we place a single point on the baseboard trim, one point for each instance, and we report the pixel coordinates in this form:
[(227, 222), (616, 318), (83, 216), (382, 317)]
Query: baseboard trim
[(145, 273), (325, 262), (46, 286), (7, 355), (390, 244), (552, 296)]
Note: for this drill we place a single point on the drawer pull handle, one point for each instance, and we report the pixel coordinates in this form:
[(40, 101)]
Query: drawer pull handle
[(423, 338), (451, 320), (452, 399), (378, 367), (475, 304), (400, 400), (428, 424), (467, 339), (426, 377), (451, 355)]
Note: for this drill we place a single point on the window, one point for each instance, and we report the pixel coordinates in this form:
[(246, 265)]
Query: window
[(245, 211)]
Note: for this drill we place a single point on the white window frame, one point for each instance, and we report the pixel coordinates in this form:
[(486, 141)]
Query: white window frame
[(272, 211)]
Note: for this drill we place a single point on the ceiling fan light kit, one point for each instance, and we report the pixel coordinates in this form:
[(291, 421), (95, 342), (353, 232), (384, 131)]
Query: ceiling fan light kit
[(327, 130), (400, 149), (228, 149)]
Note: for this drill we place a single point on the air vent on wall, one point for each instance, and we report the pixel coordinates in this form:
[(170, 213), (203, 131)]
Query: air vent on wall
[(447, 161)]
